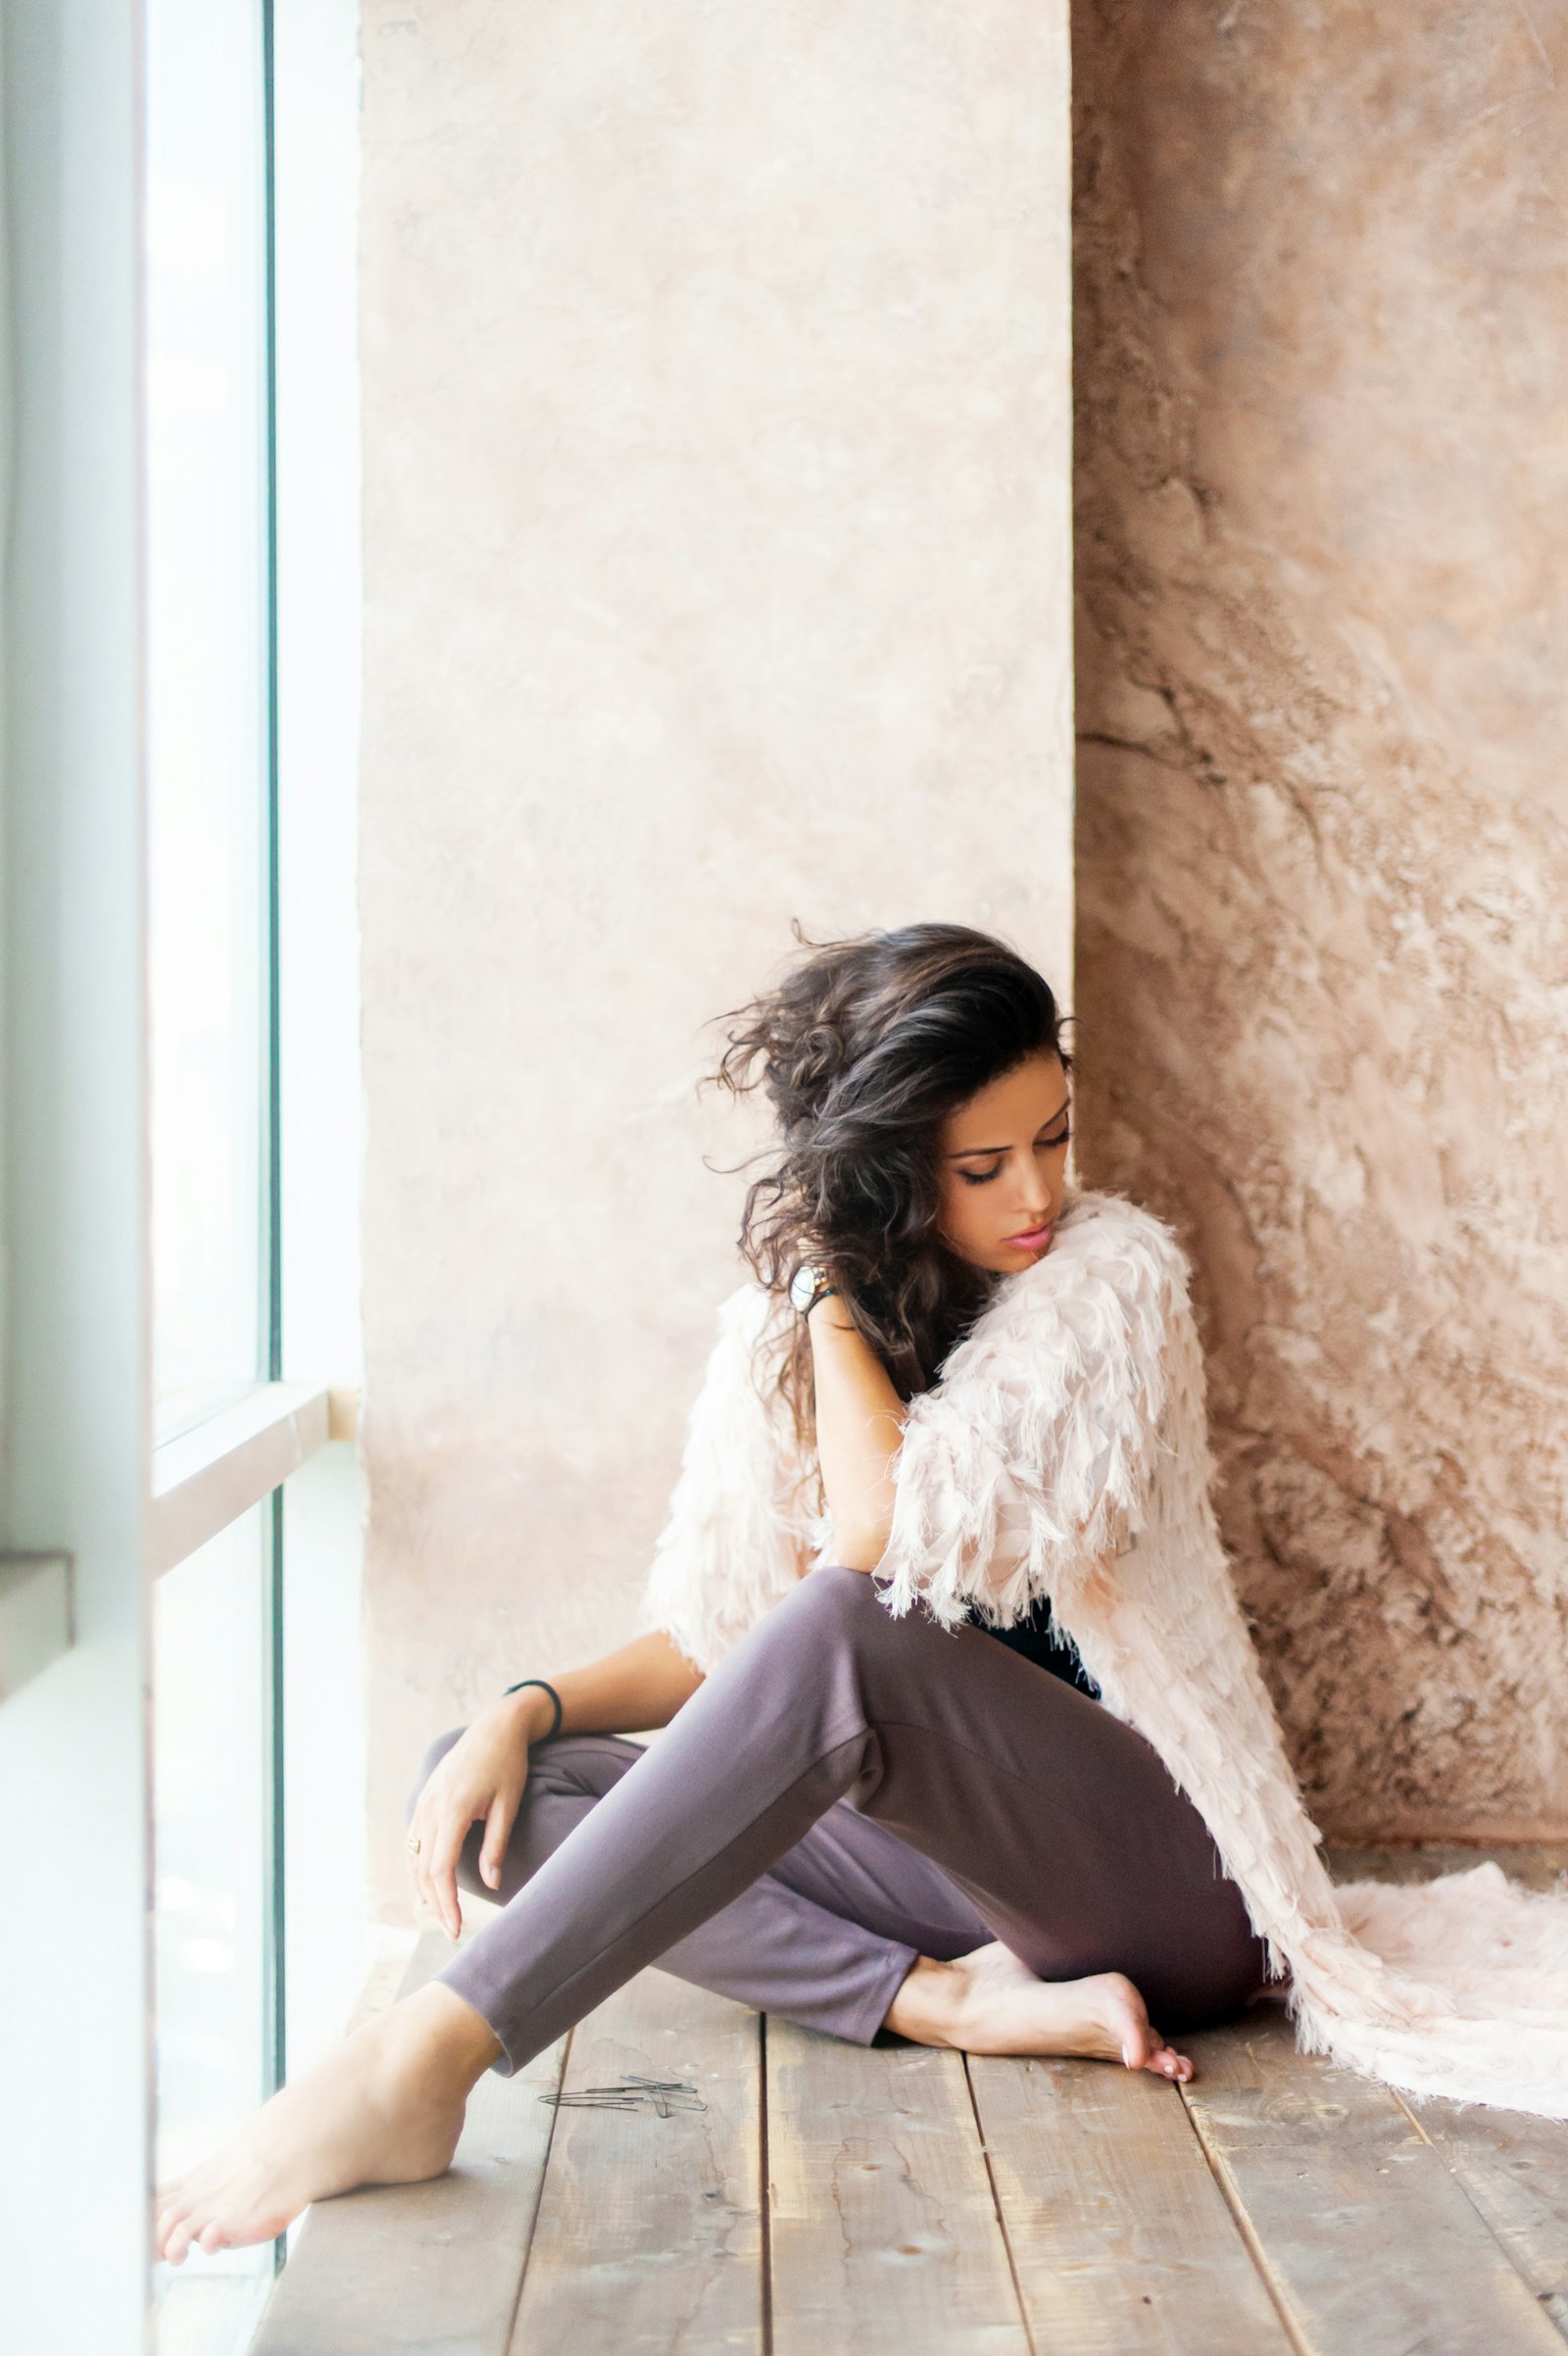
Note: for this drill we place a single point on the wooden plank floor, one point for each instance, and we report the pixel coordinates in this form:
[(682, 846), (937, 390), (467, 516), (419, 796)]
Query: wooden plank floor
[(680, 2178)]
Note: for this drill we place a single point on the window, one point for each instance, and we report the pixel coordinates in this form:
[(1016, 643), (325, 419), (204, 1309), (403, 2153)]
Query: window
[(208, 699), (219, 2013), (215, 1948), (150, 1300)]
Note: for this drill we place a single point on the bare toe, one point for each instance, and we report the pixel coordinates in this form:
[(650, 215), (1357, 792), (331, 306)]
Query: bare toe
[(181, 2214), (385, 2107)]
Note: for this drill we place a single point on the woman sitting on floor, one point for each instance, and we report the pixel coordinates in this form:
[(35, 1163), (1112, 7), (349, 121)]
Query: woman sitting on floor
[(964, 1733)]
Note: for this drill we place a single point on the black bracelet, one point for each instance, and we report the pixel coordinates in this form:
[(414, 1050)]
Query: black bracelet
[(544, 1687)]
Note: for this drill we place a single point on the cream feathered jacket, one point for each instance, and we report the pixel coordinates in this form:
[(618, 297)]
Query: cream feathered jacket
[(1064, 1453)]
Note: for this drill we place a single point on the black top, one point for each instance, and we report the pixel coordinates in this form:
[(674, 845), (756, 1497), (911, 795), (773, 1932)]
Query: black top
[(1032, 1638)]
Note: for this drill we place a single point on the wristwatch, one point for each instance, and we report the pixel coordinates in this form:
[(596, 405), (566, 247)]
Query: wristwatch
[(807, 1286)]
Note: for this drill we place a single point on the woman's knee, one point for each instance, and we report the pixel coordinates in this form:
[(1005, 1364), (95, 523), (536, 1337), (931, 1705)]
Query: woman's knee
[(427, 1765), (831, 1605)]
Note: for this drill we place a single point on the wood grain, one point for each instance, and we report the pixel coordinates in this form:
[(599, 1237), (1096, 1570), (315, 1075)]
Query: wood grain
[(1275, 2205), (1514, 2170), (1121, 2238), (429, 2267), (884, 2233), (1371, 2247), (650, 2231)]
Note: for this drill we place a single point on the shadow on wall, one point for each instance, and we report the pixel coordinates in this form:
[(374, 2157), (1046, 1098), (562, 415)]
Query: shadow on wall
[(1322, 854)]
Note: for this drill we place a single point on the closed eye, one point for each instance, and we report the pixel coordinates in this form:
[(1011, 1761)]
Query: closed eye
[(1048, 1145)]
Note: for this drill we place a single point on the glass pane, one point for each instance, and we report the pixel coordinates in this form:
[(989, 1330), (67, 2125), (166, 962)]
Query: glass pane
[(213, 1921), (206, 424)]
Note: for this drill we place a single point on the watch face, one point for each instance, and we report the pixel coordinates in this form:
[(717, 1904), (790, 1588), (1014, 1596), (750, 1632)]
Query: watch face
[(802, 1286)]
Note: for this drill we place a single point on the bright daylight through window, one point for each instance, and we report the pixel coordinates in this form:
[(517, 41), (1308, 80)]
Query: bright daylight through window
[(208, 669)]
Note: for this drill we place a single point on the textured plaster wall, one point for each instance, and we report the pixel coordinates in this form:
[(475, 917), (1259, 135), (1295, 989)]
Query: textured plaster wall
[(718, 534), (1322, 472)]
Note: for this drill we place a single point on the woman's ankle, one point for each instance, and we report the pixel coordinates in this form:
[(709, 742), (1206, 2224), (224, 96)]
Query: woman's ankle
[(439, 2038), (928, 2003)]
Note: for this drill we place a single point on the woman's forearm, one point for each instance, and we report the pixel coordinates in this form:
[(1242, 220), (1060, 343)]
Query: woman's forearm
[(641, 1685), (860, 1429)]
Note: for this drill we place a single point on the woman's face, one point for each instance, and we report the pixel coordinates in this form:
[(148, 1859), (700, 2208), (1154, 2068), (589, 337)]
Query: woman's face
[(1003, 1160)]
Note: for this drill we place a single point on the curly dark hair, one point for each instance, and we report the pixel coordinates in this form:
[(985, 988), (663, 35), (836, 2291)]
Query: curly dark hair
[(863, 1048)]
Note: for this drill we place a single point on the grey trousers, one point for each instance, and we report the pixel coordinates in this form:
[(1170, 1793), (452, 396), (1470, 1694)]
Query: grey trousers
[(846, 1791)]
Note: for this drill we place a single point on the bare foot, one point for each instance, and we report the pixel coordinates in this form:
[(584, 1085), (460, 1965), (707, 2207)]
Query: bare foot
[(385, 2108), (989, 2003)]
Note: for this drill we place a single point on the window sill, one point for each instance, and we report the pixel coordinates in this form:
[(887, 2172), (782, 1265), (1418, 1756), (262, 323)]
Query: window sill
[(209, 1476)]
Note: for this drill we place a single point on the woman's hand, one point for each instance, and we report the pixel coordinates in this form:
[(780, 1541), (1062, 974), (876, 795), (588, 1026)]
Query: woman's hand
[(481, 1777), (639, 1684)]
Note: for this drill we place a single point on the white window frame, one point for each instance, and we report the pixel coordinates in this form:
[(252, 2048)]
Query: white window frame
[(75, 1967), (89, 1516)]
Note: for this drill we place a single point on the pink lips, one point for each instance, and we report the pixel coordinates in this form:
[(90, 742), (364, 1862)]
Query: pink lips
[(1033, 1238)]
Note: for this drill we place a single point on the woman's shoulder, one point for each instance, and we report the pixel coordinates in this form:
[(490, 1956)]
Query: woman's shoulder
[(1095, 1220), (1106, 1244)]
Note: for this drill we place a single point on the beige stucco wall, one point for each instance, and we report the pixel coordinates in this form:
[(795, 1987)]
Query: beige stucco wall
[(716, 568), (1322, 331)]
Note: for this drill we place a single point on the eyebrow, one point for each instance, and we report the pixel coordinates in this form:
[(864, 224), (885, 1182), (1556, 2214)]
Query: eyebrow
[(966, 1153)]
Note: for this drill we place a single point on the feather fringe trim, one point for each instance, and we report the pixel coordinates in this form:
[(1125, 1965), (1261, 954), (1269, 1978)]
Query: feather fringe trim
[(736, 1537), (1039, 1443), (1064, 1455)]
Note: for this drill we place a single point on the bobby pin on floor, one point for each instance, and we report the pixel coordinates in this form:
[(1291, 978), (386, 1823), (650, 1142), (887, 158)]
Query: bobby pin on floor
[(678, 2176)]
